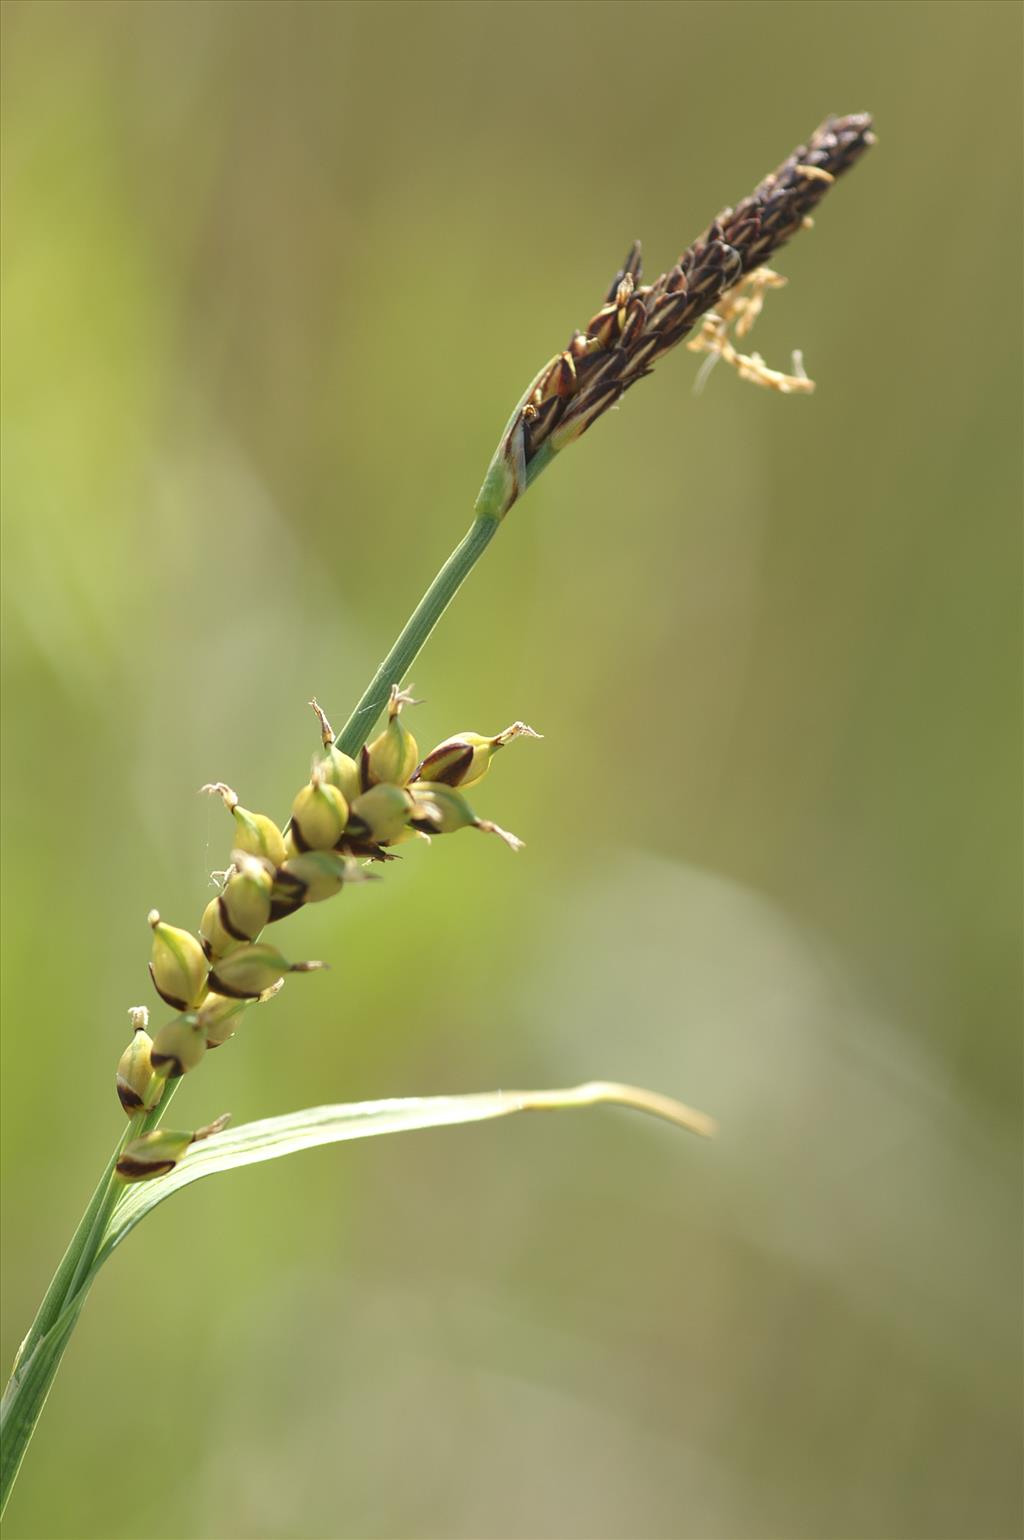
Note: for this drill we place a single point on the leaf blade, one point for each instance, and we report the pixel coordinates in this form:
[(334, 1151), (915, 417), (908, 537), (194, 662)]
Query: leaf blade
[(272, 1138)]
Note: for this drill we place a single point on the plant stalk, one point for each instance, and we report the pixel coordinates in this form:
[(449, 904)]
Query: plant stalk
[(415, 632), (39, 1356)]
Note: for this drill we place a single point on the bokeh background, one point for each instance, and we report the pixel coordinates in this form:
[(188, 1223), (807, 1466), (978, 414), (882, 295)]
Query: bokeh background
[(273, 277)]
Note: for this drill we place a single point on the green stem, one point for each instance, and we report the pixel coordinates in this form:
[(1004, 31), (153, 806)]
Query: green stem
[(153, 1116), (415, 632), (68, 1274), (40, 1354), (43, 1348), (27, 1390)]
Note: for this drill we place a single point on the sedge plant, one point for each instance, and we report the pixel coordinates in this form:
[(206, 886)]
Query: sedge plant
[(366, 794)]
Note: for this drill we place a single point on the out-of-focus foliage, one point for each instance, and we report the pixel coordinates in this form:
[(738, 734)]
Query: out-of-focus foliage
[(274, 275)]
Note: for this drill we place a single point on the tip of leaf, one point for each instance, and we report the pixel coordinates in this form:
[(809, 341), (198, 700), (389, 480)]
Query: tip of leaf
[(596, 1092)]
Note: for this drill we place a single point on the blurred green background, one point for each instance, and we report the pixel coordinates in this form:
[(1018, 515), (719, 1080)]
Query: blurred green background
[(274, 276)]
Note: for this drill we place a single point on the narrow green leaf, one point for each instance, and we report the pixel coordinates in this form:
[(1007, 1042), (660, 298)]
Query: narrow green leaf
[(273, 1137)]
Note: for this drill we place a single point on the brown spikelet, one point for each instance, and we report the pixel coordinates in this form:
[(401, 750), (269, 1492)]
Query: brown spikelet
[(638, 323)]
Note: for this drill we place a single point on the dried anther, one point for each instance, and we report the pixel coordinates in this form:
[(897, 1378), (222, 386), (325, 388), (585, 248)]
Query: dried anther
[(739, 309), (816, 173), (638, 322)]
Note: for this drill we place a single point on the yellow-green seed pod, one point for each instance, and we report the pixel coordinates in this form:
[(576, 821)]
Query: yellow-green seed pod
[(177, 964), (380, 815), (310, 877), (288, 894), (217, 942), (253, 969), (466, 758), (152, 1154), (316, 875), (258, 835), (255, 833), (342, 772), (178, 1046), (139, 1087), (156, 1153), (450, 762), (440, 809), (319, 814), (218, 1018), (393, 755), (245, 902)]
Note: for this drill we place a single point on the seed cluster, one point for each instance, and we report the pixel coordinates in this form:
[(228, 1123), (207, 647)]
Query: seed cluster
[(348, 815), (640, 322)]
